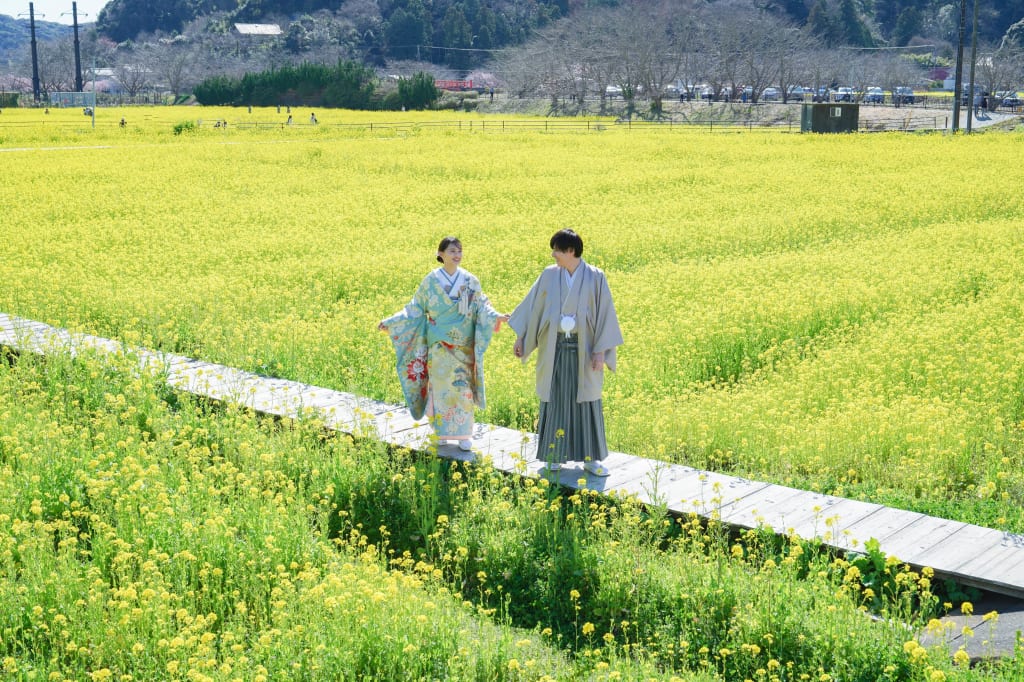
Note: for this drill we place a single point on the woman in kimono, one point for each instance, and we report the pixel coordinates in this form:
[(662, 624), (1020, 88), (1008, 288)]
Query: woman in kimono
[(440, 339), (569, 318)]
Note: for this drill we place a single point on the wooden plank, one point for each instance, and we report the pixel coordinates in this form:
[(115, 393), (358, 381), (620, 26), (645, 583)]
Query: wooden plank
[(915, 539), (97, 343), (631, 476), (708, 493), (195, 378), (957, 549), (764, 507), (877, 525), (1000, 569), (281, 397), (510, 458), (499, 438), (637, 475), (825, 511)]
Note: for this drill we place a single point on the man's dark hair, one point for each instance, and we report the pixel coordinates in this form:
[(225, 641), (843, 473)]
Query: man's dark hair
[(565, 240)]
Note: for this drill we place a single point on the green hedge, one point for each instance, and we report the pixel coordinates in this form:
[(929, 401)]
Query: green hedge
[(347, 84)]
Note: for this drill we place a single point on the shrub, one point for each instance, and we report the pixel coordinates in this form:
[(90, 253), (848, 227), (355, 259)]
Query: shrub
[(184, 127), (418, 92)]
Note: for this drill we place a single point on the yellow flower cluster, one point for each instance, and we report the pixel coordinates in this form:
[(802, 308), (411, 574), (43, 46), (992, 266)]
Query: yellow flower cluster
[(790, 304)]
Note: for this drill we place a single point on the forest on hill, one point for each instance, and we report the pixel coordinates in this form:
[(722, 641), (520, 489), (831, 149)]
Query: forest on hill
[(539, 48), (404, 29)]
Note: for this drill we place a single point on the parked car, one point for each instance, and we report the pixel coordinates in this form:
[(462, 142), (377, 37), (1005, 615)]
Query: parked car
[(903, 95), (874, 95), (1008, 98), (795, 93), (771, 95), (843, 95)]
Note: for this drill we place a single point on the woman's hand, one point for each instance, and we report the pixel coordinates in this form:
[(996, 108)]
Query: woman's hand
[(517, 349), (596, 361), (501, 320)]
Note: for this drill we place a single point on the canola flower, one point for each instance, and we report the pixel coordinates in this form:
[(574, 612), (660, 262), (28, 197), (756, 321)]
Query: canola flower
[(151, 537), (805, 325), (846, 351)]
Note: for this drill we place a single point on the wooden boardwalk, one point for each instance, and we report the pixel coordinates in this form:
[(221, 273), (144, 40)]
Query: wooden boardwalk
[(981, 557)]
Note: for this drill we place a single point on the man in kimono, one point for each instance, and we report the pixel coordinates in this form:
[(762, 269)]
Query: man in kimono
[(569, 318)]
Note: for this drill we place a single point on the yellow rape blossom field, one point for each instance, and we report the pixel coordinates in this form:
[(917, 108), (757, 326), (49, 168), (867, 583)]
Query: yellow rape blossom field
[(839, 313)]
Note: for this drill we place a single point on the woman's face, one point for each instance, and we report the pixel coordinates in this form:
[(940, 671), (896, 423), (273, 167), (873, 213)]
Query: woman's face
[(563, 258), (452, 256)]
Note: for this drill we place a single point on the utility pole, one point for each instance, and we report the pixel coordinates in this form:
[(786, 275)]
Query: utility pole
[(78, 50), (958, 87), (35, 57), (974, 60)]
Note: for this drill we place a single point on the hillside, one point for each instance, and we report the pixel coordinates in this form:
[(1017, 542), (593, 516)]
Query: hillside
[(402, 29), (16, 34)]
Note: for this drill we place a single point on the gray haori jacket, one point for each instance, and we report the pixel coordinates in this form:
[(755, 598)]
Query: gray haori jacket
[(536, 320)]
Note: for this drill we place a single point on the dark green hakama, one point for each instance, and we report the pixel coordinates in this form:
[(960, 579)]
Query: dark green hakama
[(568, 430)]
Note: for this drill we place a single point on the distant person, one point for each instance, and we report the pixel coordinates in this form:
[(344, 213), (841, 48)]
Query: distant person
[(977, 103), (569, 318), (289, 121), (312, 119), (123, 123)]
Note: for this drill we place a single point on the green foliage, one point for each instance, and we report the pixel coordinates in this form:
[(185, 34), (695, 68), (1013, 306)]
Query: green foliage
[(8, 99), (348, 85), (406, 31), (184, 127), (217, 90), (188, 524), (418, 92)]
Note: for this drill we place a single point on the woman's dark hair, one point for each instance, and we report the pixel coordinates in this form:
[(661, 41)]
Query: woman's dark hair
[(445, 243), (566, 239)]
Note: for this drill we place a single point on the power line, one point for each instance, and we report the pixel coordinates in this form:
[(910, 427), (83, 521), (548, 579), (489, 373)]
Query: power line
[(888, 48)]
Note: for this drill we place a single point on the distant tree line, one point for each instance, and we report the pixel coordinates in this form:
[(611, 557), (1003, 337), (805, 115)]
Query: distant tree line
[(728, 50), (455, 33), (347, 85), (553, 48), (458, 33)]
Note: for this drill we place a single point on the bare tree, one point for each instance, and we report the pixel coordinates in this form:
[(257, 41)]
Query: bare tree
[(727, 54), (172, 64), (566, 55), (893, 72), (691, 39), (823, 70), (518, 67), (859, 72), (795, 48), (57, 66), (998, 71), (132, 73)]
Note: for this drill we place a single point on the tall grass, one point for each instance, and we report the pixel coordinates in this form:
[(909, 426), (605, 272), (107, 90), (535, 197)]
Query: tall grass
[(837, 313), (145, 535)]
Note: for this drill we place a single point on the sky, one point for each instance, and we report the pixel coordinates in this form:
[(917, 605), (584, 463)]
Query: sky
[(88, 10)]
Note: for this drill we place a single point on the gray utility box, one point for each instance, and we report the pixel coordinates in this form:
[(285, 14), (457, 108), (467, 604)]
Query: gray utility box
[(825, 117)]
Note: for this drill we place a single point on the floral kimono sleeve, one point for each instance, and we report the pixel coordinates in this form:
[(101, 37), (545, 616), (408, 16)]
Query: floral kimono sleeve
[(408, 332), (485, 318)]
